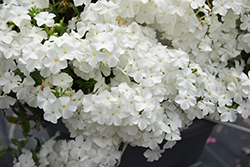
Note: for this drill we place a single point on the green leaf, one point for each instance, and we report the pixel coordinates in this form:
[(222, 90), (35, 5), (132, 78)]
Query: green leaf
[(3, 151), (26, 126), (37, 77), (12, 119), (18, 143), (76, 10), (38, 145), (34, 156)]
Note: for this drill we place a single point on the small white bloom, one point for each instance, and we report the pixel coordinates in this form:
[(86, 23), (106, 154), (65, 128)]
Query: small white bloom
[(6, 101), (62, 80), (25, 160), (66, 106), (227, 114), (45, 97), (45, 18), (80, 2), (153, 155), (19, 13), (244, 109), (185, 100)]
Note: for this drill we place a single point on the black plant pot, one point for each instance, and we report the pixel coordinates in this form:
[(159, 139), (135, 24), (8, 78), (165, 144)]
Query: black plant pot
[(185, 153)]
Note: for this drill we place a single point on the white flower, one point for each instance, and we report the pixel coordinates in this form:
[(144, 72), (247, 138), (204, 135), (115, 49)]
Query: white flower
[(103, 40), (205, 44), (245, 25), (93, 56), (66, 52), (32, 51), (146, 14), (185, 100), (179, 58), (19, 13), (23, 89), (151, 140), (45, 18), (178, 7), (153, 155), (79, 146), (99, 115), (244, 109), (108, 9), (169, 144), (206, 106), (5, 16), (9, 81), (224, 99), (227, 114), (235, 92), (174, 120), (10, 50), (89, 13), (7, 35), (80, 2), (173, 135), (219, 7), (142, 120), (194, 112), (186, 78), (53, 62), (109, 157), (65, 150), (62, 80), (114, 116), (39, 4), (45, 97), (6, 101), (93, 158), (163, 14), (196, 3), (55, 159), (245, 80), (126, 9), (51, 113), (235, 5), (66, 106), (25, 160)]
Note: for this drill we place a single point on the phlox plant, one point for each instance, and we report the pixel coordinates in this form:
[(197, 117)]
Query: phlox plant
[(118, 72)]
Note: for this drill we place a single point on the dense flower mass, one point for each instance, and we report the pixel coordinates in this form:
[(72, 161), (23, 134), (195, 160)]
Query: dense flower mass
[(134, 72)]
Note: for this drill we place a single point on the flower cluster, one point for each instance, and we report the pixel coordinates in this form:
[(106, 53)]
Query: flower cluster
[(134, 72)]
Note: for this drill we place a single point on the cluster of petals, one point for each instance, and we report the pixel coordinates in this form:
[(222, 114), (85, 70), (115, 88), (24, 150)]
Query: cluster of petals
[(156, 89)]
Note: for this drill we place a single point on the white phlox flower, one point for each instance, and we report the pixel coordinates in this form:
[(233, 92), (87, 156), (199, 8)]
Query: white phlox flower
[(153, 155), (81, 2), (135, 72), (53, 62), (244, 109), (45, 97), (23, 89), (19, 13), (146, 13), (25, 160), (6, 101), (62, 80), (10, 50), (45, 18), (9, 81), (185, 100), (66, 106), (126, 9), (227, 114)]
